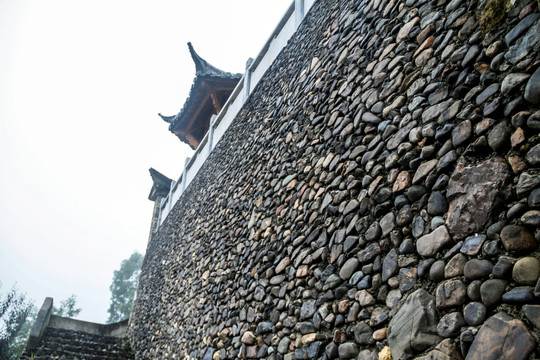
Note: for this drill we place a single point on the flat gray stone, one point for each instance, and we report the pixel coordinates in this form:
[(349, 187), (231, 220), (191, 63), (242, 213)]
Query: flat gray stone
[(520, 28), (532, 90), (430, 244), (307, 310), (525, 44), (412, 328), (348, 268), (423, 170)]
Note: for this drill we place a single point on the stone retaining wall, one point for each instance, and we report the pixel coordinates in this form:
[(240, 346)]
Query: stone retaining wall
[(378, 195)]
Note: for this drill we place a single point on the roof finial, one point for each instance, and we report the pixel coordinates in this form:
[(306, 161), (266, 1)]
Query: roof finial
[(202, 66)]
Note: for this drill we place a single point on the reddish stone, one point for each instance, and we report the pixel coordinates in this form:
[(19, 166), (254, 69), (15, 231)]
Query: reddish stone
[(302, 271), (425, 45), (403, 181), (502, 337), (251, 351), (517, 238), (517, 163), (518, 137)]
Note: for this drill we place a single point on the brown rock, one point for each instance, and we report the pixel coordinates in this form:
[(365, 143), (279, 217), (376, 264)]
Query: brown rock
[(472, 192), (283, 264), (518, 137), (501, 337), (446, 350), (426, 44), (517, 238), (249, 338), (517, 163), (380, 334), (403, 181), (302, 271), (425, 33)]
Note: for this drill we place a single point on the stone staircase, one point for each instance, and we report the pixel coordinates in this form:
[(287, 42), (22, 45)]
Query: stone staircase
[(70, 344), (55, 337)]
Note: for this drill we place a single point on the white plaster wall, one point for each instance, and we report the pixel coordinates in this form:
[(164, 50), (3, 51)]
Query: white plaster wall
[(273, 51), (196, 162)]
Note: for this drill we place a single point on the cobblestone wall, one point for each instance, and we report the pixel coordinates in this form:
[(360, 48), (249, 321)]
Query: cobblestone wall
[(377, 196)]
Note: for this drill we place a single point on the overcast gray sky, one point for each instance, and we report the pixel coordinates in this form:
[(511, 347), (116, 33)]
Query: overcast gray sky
[(81, 83)]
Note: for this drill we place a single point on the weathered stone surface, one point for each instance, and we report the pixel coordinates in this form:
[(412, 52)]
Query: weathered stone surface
[(406, 29), (477, 269), (308, 352), (491, 291), (348, 268), (445, 350), (532, 312), (473, 244), (519, 295), (389, 266), (363, 334), (450, 293), (249, 338), (472, 191), (307, 310), (498, 137), (474, 313), (501, 337), (526, 271), (511, 81), (532, 90), (411, 329), (407, 279), (517, 238), (397, 139), (520, 28), (348, 350), (430, 244), (455, 266), (347, 181), (450, 324), (423, 170)]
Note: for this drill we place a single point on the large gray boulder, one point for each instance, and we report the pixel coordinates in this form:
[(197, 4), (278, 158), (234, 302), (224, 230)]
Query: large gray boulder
[(414, 327)]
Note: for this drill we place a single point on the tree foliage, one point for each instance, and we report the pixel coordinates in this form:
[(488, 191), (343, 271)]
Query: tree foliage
[(123, 288), (18, 315), (67, 308), (15, 311)]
